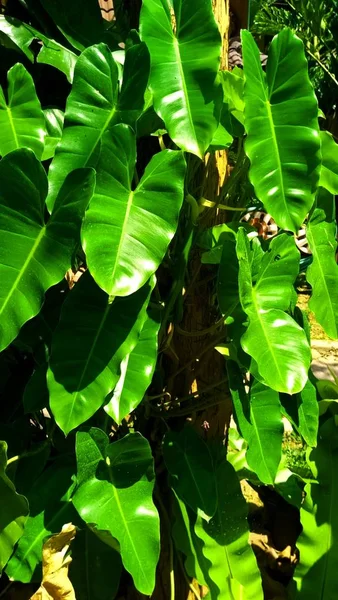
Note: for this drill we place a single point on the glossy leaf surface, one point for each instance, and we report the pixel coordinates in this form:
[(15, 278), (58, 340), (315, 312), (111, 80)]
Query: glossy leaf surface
[(115, 486), (258, 416), (232, 564), (126, 232), (316, 574), (90, 110), (329, 170), (189, 462), (34, 255), (137, 370), (187, 62), (273, 339), (322, 274), (22, 122), (53, 122), (85, 370), (13, 511), (49, 509), (281, 123), (51, 53)]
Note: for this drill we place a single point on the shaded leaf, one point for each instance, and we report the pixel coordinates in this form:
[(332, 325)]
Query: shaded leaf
[(232, 565), (115, 486), (35, 255), (302, 410), (13, 511), (187, 61), (281, 123), (95, 569), (134, 226), (22, 121), (50, 508), (85, 368), (137, 370), (316, 574), (329, 170), (322, 274), (258, 417), (189, 462)]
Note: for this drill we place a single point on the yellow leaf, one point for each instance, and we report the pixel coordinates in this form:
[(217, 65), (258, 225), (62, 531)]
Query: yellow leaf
[(55, 583)]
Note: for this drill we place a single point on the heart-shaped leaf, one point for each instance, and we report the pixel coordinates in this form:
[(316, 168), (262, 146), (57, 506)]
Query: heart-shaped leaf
[(303, 412), (137, 370), (186, 57), (133, 226), (35, 255), (85, 368), (115, 486), (189, 462), (273, 339), (22, 123), (281, 123), (13, 511)]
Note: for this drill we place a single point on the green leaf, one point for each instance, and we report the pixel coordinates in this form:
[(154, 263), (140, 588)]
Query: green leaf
[(51, 52), (303, 412), (232, 564), (85, 368), (227, 283), (187, 542), (258, 417), (134, 226), (322, 274), (54, 123), (35, 396), (13, 511), (328, 390), (137, 370), (189, 462), (90, 111), (115, 486), (281, 123), (34, 255), (187, 62), (22, 122), (329, 171), (316, 574), (80, 22), (135, 78), (50, 509), (273, 339), (95, 569)]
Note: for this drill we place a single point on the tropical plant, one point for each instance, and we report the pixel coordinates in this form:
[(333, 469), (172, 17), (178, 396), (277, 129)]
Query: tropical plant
[(135, 302)]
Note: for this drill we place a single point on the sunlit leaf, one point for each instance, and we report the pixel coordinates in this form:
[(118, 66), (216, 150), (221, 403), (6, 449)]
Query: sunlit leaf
[(281, 123), (184, 66), (22, 123), (35, 255), (115, 486), (134, 226)]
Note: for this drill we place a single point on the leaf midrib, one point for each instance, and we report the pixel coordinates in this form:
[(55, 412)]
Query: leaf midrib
[(23, 269), (11, 123)]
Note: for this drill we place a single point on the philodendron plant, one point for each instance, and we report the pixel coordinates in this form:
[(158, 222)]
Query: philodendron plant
[(101, 208)]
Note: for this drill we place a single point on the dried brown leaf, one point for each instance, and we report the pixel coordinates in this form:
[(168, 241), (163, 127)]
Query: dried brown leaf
[(56, 584)]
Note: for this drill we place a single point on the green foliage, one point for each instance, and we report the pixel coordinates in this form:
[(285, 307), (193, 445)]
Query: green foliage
[(110, 256)]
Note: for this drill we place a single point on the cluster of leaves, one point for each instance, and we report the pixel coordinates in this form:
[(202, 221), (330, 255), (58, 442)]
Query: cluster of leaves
[(315, 23), (78, 195)]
